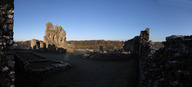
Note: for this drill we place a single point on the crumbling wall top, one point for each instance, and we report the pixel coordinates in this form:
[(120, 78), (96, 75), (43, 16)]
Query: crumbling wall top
[(49, 26)]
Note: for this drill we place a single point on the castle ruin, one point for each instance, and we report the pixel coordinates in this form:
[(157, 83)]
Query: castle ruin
[(55, 36), (54, 40)]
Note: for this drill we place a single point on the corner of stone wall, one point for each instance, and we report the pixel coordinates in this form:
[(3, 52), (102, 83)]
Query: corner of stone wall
[(144, 50)]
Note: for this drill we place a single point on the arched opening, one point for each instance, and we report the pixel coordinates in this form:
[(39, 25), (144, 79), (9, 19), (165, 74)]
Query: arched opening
[(37, 45)]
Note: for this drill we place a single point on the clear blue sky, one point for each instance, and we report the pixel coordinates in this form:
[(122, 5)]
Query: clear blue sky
[(103, 19)]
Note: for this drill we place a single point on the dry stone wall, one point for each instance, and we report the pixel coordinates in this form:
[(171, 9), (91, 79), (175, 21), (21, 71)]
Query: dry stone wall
[(170, 66), (7, 74)]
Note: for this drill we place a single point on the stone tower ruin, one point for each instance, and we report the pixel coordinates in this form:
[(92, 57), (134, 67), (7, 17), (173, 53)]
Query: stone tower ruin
[(55, 37), (54, 40)]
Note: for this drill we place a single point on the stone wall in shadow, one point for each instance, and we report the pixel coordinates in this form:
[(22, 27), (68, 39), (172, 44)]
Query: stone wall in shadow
[(7, 73), (168, 66)]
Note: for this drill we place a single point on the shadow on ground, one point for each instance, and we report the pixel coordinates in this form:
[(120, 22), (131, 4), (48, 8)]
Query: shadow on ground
[(89, 73)]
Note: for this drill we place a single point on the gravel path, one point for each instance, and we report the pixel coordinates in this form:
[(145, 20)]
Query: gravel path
[(89, 73)]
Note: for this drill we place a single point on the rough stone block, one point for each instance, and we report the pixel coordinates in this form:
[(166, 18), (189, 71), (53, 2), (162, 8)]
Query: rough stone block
[(10, 27)]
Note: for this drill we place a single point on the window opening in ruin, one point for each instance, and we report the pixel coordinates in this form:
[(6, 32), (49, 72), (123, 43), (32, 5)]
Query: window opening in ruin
[(53, 37)]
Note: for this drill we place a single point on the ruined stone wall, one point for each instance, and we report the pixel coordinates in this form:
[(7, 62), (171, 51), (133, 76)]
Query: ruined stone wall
[(33, 44), (135, 44), (170, 66), (55, 36), (132, 45), (37, 45), (140, 47), (55, 39), (144, 50), (7, 74)]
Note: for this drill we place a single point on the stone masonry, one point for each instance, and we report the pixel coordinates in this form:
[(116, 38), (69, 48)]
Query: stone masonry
[(144, 50), (170, 66), (54, 40), (140, 47), (37, 45), (132, 45), (7, 73), (55, 36)]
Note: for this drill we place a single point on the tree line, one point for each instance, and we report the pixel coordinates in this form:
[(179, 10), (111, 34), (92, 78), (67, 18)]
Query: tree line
[(94, 44)]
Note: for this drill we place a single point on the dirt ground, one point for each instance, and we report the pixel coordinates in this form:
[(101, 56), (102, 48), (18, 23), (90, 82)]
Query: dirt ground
[(89, 73)]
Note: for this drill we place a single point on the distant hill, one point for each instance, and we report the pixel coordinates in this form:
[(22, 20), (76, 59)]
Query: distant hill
[(94, 44), (24, 43)]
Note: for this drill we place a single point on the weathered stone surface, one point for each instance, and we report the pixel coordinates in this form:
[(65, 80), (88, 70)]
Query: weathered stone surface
[(49, 26), (140, 47), (11, 64), (37, 45), (144, 50), (56, 37), (170, 66), (132, 45), (6, 43), (33, 43)]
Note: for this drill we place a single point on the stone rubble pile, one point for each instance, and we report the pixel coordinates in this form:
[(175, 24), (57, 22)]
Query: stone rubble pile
[(170, 66)]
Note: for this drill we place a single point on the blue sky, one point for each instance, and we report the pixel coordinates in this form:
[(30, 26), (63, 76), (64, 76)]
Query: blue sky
[(103, 19)]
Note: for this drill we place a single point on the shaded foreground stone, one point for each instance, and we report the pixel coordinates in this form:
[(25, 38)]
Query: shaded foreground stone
[(30, 65), (7, 73), (167, 66)]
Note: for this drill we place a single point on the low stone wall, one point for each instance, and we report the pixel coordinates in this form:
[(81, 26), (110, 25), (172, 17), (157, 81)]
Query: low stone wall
[(36, 65), (107, 56)]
